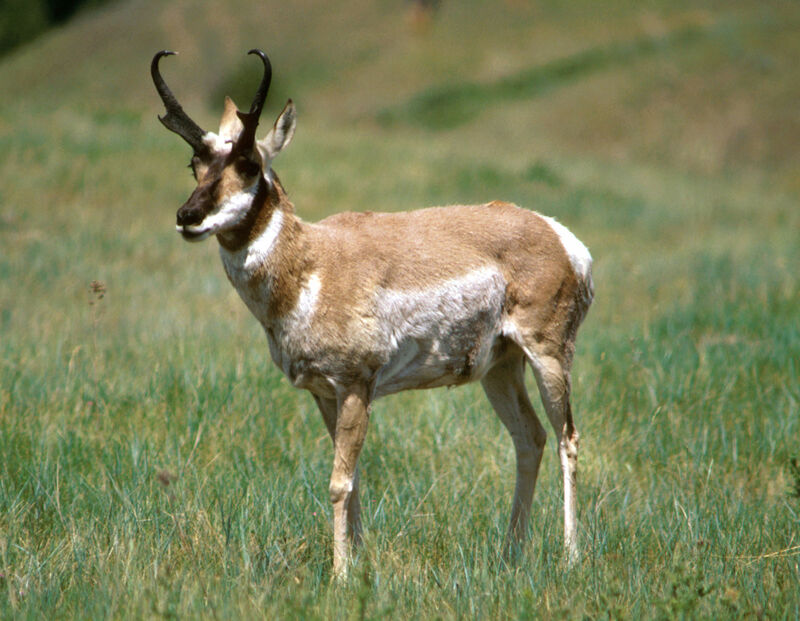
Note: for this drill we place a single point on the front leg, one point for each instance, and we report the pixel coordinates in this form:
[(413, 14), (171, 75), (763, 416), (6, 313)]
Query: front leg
[(351, 429), (328, 408)]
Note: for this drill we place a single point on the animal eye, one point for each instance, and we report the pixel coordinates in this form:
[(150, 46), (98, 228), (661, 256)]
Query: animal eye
[(247, 167)]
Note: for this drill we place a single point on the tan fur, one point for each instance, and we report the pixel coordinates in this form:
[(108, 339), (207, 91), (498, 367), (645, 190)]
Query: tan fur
[(361, 305), (230, 125), (404, 251), (354, 253)]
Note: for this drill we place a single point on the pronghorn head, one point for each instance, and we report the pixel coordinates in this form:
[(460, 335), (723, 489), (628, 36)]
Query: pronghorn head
[(231, 167)]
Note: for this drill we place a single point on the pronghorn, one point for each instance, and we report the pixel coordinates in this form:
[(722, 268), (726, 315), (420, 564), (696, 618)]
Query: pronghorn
[(362, 305)]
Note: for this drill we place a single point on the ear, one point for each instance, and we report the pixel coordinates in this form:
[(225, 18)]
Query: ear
[(230, 126), (279, 136)]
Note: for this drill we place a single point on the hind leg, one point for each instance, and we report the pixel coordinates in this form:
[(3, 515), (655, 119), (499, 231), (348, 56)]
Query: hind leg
[(504, 386), (553, 380)]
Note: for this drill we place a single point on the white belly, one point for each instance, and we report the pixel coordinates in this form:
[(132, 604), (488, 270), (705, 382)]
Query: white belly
[(439, 336), (403, 339)]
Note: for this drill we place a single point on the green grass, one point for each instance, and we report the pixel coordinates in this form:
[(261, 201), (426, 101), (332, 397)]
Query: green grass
[(446, 107), (154, 463)]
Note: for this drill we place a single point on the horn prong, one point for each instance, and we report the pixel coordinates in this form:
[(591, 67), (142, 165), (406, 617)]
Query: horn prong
[(250, 119), (175, 119)]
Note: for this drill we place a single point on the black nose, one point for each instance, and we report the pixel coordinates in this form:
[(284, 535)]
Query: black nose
[(190, 214)]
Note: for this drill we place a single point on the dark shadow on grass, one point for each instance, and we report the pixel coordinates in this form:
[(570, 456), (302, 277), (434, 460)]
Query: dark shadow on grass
[(448, 106)]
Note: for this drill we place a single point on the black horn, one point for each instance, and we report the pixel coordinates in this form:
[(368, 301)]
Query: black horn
[(176, 119), (250, 119)]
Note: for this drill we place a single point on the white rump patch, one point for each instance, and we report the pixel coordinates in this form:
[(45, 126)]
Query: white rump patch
[(578, 254)]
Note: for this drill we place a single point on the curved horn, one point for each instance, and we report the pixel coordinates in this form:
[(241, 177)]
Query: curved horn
[(261, 93), (250, 119), (176, 119)]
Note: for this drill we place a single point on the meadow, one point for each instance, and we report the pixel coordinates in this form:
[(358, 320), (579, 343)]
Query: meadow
[(155, 464)]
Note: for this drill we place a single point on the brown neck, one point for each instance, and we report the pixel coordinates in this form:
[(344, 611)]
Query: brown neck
[(277, 278), (269, 196)]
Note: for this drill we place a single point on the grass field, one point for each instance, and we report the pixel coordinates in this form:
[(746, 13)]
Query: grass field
[(154, 463)]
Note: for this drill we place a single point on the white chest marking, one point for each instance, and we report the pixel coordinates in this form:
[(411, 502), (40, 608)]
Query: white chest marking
[(307, 300), (242, 265), (264, 244), (293, 332)]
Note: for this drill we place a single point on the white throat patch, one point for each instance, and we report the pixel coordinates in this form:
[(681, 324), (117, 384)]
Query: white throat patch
[(230, 213), (263, 245), (255, 254)]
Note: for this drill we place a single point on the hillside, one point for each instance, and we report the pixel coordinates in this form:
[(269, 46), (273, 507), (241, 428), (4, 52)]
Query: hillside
[(698, 89), (155, 463)]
